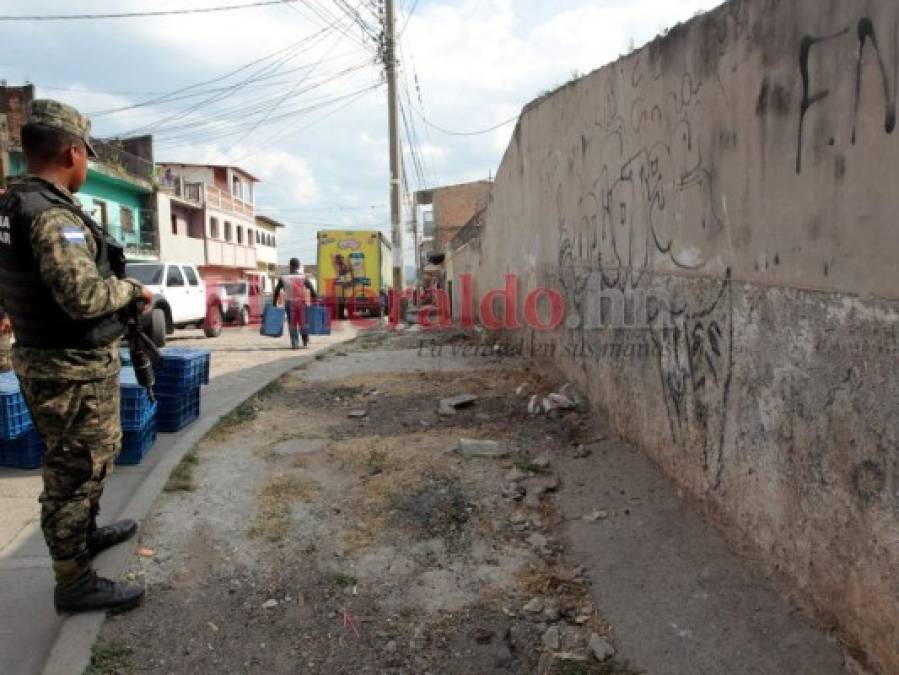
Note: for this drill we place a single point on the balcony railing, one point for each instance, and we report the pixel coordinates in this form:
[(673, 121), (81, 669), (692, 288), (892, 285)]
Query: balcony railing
[(113, 155), (223, 201)]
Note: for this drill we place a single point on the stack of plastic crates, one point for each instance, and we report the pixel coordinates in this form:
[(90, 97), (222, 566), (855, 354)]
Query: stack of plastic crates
[(20, 444), (178, 380), (138, 419), (317, 320)]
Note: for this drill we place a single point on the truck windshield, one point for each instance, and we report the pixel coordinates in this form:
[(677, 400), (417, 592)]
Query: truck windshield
[(149, 274), (234, 289)]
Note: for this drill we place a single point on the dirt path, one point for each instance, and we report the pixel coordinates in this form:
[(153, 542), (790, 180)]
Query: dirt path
[(327, 527)]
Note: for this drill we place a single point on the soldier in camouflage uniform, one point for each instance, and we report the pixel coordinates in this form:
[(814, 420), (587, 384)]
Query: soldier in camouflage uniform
[(64, 304)]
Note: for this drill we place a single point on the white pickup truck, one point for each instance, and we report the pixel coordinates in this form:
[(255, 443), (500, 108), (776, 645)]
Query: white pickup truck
[(179, 299)]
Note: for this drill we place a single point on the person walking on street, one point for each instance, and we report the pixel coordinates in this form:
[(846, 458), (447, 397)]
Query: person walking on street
[(64, 302), (5, 335), (294, 285)]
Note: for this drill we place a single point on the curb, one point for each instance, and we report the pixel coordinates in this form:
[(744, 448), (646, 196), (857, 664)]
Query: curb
[(72, 650)]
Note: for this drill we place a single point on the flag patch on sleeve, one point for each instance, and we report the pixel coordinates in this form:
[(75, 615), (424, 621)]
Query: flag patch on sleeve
[(74, 235)]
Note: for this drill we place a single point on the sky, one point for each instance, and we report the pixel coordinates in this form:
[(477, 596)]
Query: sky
[(294, 93)]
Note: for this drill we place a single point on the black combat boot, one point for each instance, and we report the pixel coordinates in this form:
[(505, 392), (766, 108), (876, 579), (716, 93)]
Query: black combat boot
[(101, 538), (92, 593)]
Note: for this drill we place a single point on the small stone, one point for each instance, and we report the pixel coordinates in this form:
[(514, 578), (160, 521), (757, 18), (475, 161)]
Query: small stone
[(601, 648), (446, 411), (534, 606), (541, 462), (461, 401), (582, 451), (390, 647), (541, 485), (537, 540), (357, 414), (551, 612), (483, 636), (518, 518), (597, 515), (270, 604), (552, 638), (485, 449), (516, 475), (581, 619)]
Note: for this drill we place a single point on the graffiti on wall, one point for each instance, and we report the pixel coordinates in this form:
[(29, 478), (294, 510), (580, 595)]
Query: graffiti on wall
[(652, 189), (877, 51)]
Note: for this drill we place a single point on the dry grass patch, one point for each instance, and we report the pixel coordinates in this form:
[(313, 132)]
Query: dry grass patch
[(182, 476), (276, 501)]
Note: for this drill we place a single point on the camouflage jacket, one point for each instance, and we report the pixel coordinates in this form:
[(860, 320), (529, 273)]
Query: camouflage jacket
[(68, 269)]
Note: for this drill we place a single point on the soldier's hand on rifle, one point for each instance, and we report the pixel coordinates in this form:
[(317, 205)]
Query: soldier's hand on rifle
[(145, 304)]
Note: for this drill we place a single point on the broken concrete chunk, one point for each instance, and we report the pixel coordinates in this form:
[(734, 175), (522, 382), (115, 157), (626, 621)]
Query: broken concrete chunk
[(534, 606), (601, 648), (474, 448), (461, 401), (358, 414)]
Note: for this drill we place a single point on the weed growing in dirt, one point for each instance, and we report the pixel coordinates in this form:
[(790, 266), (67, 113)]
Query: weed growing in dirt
[(275, 503), (107, 658), (345, 580), (377, 460), (245, 412), (528, 467), (182, 478)]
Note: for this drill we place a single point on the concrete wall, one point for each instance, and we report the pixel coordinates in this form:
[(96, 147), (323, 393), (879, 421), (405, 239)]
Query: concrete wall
[(728, 191)]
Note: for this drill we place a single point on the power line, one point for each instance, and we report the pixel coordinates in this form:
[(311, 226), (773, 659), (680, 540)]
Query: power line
[(463, 133), (131, 15)]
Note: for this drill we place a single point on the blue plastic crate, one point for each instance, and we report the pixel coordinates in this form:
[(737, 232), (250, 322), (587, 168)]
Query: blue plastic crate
[(136, 407), (15, 418), (272, 322), (317, 320), (175, 412), (25, 452), (136, 444), (182, 369)]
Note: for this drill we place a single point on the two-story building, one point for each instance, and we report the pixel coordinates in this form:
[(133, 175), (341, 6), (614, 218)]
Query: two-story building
[(207, 217), (267, 246)]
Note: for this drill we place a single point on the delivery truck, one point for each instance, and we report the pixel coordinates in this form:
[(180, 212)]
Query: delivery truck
[(355, 272)]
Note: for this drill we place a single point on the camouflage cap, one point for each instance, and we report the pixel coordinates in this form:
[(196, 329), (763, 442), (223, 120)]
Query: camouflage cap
[(49, 113)]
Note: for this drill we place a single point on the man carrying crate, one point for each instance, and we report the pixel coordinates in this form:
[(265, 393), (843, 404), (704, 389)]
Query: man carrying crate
[(294, 285), (64, 302)]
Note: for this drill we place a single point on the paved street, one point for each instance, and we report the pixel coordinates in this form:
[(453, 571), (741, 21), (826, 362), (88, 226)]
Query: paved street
[(242, 362)]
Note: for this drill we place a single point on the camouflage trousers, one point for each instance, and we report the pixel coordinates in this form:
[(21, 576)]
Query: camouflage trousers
[(5, 362), (81, 427)]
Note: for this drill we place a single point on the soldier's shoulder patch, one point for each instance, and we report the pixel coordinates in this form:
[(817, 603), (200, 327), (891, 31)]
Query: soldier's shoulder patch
[(74, 235)]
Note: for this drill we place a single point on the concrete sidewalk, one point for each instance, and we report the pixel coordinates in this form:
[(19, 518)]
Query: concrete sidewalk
[(33, 639)]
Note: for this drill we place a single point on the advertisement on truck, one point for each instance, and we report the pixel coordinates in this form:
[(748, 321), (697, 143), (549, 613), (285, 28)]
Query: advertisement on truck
[(355, 270)]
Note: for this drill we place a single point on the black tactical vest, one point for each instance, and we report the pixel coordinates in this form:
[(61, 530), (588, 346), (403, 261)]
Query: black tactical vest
[(37, 319)]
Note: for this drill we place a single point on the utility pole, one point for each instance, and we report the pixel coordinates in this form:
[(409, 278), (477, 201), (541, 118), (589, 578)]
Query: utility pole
[(396, 153)]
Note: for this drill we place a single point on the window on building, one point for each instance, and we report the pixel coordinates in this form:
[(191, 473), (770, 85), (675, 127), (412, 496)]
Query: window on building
[(174, 224), (174, 278), (258, 237), (191, 276), (249, 237), (227, 231), (214, 228), (235, 186), (101, 212), (274, 241), (126, 218), (240, 234)]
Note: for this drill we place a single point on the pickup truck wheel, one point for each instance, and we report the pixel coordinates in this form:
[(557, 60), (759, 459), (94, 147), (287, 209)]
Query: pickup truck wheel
[(244, 317), (214, 322), (157, 327)]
